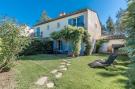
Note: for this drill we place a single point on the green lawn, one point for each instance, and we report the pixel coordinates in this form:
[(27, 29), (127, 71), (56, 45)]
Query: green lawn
[(78, 75), (30, 68)]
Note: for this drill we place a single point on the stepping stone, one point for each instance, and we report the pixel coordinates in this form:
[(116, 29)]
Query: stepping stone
[(58, 75), (68, 59), (50, 85), (62, 66), (63, 69), (54, 71), (42, 81), (68, 64), (63, 63), (65, 60)]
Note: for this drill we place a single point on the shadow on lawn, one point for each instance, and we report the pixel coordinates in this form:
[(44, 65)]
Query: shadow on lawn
[(107, 74), (118, 70), (42, 57)]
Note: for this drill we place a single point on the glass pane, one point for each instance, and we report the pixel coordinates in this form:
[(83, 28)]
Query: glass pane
[(74, 22), (70, 21), (38, 32), (80, 21)]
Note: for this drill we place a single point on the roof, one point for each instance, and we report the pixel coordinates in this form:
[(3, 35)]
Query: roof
[(111, 37), (60, 17)]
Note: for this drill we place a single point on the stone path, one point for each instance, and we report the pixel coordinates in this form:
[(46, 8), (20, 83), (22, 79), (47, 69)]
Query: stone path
[(57, 73), (54, 71), (50, 85), (42, 81)]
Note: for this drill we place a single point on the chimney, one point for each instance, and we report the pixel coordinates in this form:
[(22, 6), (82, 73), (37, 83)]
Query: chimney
[(62, 14)]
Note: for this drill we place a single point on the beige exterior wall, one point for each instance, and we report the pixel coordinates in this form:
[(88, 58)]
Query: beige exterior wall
[(116, 41), (94, 27), (63, 22), (106, 47), (91, 23)]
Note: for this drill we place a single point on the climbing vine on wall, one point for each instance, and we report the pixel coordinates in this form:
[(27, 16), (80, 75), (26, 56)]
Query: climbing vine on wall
[(73, 34), (87, 41)]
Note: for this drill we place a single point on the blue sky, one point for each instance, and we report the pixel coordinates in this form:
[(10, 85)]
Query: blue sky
[(28, 11)]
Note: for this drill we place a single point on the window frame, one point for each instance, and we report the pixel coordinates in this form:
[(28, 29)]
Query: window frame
[(58, 24), (38, 32), (75, 21)]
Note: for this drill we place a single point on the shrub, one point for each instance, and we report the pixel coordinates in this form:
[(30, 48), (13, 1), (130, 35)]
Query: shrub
[(12, 43), (38, 46)]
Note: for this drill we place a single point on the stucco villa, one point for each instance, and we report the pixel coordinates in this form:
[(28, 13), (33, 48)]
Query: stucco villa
[(82, 18)]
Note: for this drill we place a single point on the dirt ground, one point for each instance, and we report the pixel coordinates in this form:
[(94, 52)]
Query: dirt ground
[(7, 80)]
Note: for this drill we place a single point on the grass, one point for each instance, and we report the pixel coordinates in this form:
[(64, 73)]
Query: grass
[(131, 76), (78, 76), (30, 68)]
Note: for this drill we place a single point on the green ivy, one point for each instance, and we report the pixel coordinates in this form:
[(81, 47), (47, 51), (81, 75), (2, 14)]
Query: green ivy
[(86, 40), (73, 34)]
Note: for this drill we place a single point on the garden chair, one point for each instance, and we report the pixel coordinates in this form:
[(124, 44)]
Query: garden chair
[(103, 63)]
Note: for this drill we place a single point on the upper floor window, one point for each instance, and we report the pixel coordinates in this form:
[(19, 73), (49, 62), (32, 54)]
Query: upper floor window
[(58, 25), (48, 27), (78, 21), (37, 33)]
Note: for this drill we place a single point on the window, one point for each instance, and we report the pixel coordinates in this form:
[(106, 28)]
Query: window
[(58, 25), (37, 34), (41, 34), (70, 21), (48, 27), (74, 22), (79, 21)]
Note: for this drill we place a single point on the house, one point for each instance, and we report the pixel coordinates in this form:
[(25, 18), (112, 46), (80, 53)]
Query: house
[(82, 18), (27, 31), (112, 41)]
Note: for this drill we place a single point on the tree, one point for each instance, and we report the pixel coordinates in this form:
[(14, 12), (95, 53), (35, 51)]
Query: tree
[(104, 30), (43, 17), (129, 23), (119, 25), (12, 42), (110, 25)]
